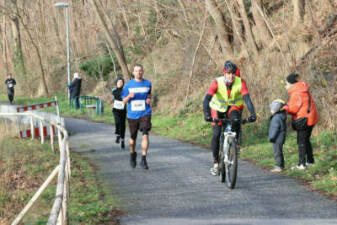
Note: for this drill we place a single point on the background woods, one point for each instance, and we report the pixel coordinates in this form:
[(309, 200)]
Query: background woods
[(182, 44)]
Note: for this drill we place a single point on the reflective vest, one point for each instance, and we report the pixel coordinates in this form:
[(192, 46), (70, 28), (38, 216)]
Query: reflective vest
[(220, 100)]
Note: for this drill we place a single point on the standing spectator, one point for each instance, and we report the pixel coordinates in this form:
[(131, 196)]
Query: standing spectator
[(75, 89), (10, 82), (277, 133), (302, 107), (119, 112), (137, 93)]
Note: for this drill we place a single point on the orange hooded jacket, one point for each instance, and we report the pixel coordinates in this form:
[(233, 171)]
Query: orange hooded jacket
[(298, 103)]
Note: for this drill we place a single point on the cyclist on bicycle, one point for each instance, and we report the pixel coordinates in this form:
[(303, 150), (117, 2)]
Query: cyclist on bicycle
[(224, 99)]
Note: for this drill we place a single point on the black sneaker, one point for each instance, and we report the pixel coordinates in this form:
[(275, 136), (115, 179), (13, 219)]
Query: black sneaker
[(133, 161), (143, 163), (122, 144), (117, 139)]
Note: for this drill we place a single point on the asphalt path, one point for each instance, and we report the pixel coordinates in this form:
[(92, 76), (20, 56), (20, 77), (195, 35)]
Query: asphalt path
[(178, 188)]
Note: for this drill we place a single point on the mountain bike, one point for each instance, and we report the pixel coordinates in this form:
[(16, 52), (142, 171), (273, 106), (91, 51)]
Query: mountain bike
[(228, 152)]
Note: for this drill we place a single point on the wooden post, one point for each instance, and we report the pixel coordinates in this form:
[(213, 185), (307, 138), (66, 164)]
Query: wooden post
[(36, 196), (32, 130), (51, 137), (41, 132)]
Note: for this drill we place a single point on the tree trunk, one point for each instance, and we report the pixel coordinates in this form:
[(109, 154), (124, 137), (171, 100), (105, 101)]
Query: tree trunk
[(236, 26), (248, 29), (43, 74), (298, 11), (4, 44), (18, 60), (260, 24), (221, 27), (112, 42)]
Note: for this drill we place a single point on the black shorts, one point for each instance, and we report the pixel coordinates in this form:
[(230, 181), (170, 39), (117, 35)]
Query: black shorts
[(143, 124)]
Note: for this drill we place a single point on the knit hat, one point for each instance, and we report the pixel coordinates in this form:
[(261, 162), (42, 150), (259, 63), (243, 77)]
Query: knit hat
[(276, 105), (292, 78)]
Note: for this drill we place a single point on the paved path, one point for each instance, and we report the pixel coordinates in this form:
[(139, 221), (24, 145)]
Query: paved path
[(178, 189)]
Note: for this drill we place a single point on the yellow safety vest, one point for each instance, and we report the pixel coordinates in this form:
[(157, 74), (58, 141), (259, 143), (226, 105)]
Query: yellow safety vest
[(220, 100)]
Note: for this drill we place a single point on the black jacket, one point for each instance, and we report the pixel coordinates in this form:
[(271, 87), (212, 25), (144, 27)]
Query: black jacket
[(278, 127), (75, 87)]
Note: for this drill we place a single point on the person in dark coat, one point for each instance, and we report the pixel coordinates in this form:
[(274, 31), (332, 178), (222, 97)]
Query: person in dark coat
[(119, 112), (277, 133), (75, 89), (10, 82)]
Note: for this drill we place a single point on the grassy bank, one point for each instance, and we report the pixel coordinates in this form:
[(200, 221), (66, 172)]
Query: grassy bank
[(255, 148), (25, 164)]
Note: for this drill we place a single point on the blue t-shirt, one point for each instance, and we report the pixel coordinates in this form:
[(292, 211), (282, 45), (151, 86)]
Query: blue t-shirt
[(137, 106)]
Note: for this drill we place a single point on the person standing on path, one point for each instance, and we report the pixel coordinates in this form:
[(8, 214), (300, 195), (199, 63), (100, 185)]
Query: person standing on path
[(10, 82), (137, 93), (277, 133), (75, 89), (302, 107), (119, 112)]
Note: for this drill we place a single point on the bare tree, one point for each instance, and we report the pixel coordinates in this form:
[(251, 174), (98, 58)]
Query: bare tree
[(248, 29), (299, 10), (264, 33), (221, 27), (112, 41)]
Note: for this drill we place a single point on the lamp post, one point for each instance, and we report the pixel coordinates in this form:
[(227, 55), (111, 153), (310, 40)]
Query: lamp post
[(66, 5)]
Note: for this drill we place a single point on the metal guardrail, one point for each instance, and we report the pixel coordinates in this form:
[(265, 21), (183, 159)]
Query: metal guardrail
[(90, 103), (59, 211)]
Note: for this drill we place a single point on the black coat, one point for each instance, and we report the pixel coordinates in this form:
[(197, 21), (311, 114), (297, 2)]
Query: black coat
[(278, 128), (75, 87)]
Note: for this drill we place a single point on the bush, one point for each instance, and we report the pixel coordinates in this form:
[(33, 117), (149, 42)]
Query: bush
[(100, 66)]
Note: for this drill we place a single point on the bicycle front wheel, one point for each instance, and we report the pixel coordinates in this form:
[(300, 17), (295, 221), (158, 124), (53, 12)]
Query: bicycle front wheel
[(232, 166), (222, 169)]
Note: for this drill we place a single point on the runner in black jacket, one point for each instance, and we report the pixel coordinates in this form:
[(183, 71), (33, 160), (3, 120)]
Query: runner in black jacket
[(10, 82), (119, 112)]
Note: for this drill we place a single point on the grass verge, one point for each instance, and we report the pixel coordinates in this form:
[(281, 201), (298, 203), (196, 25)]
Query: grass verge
[(25, 164)]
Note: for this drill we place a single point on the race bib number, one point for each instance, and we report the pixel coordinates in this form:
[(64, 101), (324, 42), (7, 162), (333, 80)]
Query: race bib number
[(10, 85), (118, 104), (138, 105)]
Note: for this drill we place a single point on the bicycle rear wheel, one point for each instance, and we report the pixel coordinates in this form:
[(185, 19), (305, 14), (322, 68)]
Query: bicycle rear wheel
[(232, 166), (222, 169)]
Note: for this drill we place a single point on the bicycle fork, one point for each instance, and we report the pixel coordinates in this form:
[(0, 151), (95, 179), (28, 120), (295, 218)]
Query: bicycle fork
[(228, 140)]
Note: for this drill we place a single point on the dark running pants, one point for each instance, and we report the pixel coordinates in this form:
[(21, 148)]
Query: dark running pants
[(217, 133), (10, 93), (304, 146), (278, 155), (120, 118)]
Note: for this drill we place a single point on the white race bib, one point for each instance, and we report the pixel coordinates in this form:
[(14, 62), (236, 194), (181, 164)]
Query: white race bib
[(118, 104), (10, 85), (138, 105)]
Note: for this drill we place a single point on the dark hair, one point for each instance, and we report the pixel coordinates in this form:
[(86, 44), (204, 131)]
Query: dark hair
[(292, 78), (138, 65), (119, 78)]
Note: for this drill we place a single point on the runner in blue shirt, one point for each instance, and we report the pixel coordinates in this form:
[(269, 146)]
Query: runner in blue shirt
[(137, 94)]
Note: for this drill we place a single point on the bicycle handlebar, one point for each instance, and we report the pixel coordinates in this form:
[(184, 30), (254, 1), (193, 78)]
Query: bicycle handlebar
[(225, 120)]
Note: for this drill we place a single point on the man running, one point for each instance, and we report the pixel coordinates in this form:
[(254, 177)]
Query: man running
[(10, 82), (224, 99), (137, 93)]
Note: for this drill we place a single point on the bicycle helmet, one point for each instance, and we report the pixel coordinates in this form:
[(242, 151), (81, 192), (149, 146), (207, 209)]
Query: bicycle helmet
[(229, 67)]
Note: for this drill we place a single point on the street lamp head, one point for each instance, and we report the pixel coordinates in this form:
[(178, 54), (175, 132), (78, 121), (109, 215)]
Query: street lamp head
[(61, 4)]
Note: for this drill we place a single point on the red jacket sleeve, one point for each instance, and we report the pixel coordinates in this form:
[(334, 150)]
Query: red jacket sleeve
[(213, 88), (244, 89)]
